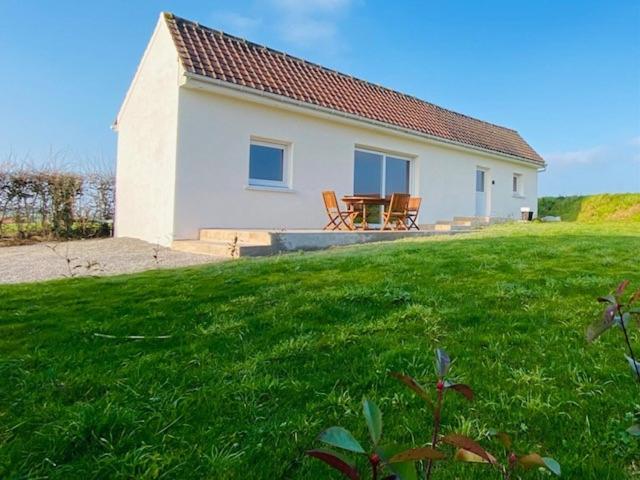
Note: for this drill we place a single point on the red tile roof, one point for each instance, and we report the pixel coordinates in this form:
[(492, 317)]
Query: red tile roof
[(223, 57)]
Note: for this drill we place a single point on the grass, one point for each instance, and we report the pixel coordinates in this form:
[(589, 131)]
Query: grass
[(263, 354), (593, 208)]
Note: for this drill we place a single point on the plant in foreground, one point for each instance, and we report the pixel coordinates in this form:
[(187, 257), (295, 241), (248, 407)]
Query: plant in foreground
[(413, 463), (379, 455), (474, 453), (619, 312)]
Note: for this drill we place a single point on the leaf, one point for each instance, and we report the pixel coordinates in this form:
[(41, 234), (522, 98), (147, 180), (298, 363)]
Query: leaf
[(466, 443), (622, 287), (443, 362), (463, 455), (634, 430), (415, 454), (622, 321), (502, 437), (531, 460), (341, 438), (462, 389), (535, 460), (601, 325), (337, 461), (607, 299), (635, 297), (634, 365), (373, 416), (402, 470), (552, 465), (413, 385)]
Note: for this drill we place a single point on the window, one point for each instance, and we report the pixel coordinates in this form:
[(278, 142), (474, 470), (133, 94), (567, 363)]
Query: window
[(380, 174), (396, 175), (517, 184), (268, 164), (480, 181)]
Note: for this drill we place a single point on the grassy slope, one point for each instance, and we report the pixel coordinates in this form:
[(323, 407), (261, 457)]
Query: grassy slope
[(265, 353), (593, 208)]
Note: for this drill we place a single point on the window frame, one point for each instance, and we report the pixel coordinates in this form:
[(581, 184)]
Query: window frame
[(385, 154), (285, 183), (518, 191)]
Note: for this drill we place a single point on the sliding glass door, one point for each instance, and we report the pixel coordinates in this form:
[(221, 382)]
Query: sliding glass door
[(381, 175)]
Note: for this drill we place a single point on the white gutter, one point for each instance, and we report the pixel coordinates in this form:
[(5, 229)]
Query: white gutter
[(202, 82)]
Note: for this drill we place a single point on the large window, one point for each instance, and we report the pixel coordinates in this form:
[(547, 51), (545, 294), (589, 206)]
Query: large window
[(268, 164), (380, 174)]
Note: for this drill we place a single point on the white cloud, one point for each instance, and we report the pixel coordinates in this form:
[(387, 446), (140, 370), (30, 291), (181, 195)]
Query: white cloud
[(312, 7), (584, 156), (618, 152), (237, 24), (310, 22), (303, 23)]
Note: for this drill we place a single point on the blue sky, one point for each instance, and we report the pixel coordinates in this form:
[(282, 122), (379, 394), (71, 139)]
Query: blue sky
[(565, 74)]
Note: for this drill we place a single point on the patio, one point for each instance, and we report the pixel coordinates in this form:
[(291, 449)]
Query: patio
[(250, 242)]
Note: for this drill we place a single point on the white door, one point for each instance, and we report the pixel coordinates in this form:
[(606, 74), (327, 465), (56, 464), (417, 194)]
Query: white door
[(481, 194)]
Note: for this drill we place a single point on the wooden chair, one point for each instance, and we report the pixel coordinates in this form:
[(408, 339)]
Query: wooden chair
[(397, 213), (337, 218), (414, 209)]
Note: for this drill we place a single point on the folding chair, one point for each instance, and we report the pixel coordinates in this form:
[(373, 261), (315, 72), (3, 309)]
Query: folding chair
[(412, 214), (337, 218), (396, 214)]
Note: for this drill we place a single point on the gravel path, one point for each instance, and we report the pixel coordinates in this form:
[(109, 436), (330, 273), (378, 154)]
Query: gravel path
[(108, 256)]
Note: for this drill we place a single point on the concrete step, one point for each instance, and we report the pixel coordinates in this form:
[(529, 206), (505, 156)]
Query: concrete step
[(441, 226), (452, 227), (249, 237), (462, 223), (221, 249), (473, 220)]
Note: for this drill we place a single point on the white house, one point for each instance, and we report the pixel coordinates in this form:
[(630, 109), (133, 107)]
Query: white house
[(219, 132)]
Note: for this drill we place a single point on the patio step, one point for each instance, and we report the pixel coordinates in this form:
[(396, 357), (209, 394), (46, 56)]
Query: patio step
[(251, 237), (473, 221), (221, 249), (458, 226)]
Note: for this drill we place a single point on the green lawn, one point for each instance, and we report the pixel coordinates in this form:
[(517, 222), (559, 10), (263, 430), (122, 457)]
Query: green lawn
[(263, 354), (618, 207)]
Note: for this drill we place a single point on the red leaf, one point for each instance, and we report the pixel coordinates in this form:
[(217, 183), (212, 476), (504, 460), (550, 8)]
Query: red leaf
[(414, 454), (413, 385), (622, 287), (470, 445), (462, 389), (337, 461), (635, 297)]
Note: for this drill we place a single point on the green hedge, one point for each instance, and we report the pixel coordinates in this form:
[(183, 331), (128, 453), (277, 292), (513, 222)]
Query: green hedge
[(593, 208)]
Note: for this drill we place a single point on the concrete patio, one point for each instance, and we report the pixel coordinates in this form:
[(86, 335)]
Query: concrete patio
[(260, 242)]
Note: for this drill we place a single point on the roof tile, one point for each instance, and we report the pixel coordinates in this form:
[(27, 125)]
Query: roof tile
[(217, 55)]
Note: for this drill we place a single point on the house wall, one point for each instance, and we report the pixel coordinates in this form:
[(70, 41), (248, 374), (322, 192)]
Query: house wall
[(147, 133), (213, 165)]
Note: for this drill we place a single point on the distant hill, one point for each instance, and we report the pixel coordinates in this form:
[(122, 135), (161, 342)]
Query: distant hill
[(624, 207)]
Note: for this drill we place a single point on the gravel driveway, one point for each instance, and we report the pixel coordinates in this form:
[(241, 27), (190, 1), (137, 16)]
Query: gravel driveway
[(108, 256)]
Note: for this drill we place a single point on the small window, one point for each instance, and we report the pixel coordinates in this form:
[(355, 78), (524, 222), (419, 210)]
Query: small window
[(268, 164), (517, 184)]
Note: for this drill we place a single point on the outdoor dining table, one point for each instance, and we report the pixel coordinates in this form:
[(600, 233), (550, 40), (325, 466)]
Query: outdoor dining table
[(363, 201)]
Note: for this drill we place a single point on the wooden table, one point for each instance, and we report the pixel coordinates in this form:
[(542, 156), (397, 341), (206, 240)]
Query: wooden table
[(363, 201)]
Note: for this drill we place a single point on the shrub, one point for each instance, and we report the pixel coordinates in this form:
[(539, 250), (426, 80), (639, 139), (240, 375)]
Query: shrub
[(54, 203)]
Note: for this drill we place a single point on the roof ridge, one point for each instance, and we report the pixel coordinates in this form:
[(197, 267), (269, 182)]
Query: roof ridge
[(328, 70)]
